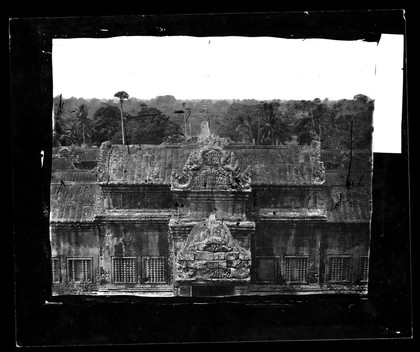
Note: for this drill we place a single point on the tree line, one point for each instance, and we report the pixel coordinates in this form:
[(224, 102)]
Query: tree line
[(336, 123)]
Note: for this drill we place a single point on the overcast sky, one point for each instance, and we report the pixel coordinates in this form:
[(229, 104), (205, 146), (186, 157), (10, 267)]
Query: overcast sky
[(213, 67)]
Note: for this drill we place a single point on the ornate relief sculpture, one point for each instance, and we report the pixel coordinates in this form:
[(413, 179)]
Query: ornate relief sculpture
[(211, 252), (212, 167), (319, 172)]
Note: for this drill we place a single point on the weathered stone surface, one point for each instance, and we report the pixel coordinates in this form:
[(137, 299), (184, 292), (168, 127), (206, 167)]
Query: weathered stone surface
[(160, 164), (196, 264), (234, 263), (232, 255), (243, 242), (286, 189), (216, 247), (184, 291), (239, 273), (219, 255), (238, 263), (220, 274), (185, 274), (186, 256), (230, 263), (211, 167), (73, 202), (212, 264), (203, 255), (215, 264), (244, 256), (211, 243)]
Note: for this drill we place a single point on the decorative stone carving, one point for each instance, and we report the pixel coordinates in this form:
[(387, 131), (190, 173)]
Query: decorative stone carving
[(210, 252), (69, 155), (319, 172), (212, 167), (318, 169)]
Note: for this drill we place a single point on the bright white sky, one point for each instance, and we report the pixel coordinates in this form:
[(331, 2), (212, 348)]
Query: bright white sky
[(238, 68), (213, 67)]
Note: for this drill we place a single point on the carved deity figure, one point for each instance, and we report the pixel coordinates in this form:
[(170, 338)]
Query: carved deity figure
[(212, 167)]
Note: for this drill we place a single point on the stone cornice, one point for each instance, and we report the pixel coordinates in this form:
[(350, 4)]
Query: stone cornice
[(160, 216), (73, 224), (133, 187)]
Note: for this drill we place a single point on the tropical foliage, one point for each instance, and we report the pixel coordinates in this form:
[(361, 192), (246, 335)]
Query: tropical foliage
[(276, 122)]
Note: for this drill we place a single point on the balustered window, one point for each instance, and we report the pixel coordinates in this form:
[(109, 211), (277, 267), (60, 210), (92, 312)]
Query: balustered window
[(154, 270), (364, 268), (55, 270), (79, 269), (124, 270), (296, 269), (339, 269)]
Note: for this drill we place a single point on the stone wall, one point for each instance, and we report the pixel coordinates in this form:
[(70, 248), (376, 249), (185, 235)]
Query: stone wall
[(137, 241), (137, 197), (316, 242), (74, 242), (285, 222)]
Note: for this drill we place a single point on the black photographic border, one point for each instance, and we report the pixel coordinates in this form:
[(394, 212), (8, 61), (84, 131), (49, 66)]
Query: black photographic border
[(121, 320)]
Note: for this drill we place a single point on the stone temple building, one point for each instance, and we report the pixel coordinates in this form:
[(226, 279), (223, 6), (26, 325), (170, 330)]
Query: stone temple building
[(209, 218)]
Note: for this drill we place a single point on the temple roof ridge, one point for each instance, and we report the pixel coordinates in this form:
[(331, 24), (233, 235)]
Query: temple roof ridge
[(268, 165)]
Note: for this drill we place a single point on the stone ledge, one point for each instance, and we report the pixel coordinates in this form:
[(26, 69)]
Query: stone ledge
[(72, 224), (231, 223), (137, 287), (296, 289), (139, 217)]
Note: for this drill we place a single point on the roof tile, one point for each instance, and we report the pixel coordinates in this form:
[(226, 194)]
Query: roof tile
[(73, 202), (74, 175), (352, 205)]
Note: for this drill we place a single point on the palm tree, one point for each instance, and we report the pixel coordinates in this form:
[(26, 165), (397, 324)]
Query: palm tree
[(62, 135), (305, 128), (310, 127), (270, 129), (58, 130), (83, 125), (244, 127), (122, 96), (274, 130), (274, 127)]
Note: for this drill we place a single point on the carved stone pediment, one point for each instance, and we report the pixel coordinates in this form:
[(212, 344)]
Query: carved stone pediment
[(211, 253), (211, 167)]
